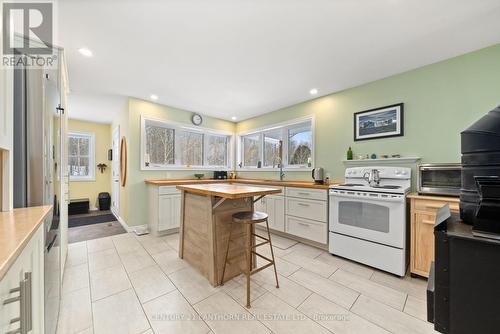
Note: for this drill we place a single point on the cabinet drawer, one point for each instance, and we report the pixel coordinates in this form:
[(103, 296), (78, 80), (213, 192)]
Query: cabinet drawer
[(307, 229), (316, 194), (165, 190), (309, 209), (432, 206)]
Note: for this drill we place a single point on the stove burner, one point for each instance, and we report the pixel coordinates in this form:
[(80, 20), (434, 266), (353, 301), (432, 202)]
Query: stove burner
[(351, 185), (387, 187)]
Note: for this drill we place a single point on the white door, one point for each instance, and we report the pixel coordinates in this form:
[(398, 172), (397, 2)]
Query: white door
[(382, 220), (115, 179)]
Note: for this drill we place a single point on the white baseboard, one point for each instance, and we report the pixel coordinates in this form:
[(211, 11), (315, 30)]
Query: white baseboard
[(121, 221)]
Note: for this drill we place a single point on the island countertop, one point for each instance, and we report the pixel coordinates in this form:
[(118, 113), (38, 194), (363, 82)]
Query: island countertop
[(228, 190), (16, 229)]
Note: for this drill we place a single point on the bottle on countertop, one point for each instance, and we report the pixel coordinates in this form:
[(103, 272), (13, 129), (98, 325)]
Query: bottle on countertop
[(349, 154)]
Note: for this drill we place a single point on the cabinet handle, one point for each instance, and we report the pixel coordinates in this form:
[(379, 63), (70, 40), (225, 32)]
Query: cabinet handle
[(434, 206), (305, 194), (304, 224), (25, 311), (303, 204)]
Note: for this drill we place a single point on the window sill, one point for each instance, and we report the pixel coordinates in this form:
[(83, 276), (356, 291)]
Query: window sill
[(299, 169), (174, 168), (81, 179)]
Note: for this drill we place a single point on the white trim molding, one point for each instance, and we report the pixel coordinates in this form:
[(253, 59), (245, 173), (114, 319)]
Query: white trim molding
[(401, 160)]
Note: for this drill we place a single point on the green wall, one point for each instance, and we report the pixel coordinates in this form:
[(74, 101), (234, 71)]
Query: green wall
[(440, 100), (137, 189)]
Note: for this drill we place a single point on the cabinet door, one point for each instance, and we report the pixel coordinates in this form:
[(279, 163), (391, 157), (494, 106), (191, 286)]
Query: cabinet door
[(260, 205), (176, 211), (166, 212), (423, 252), (276, 212)]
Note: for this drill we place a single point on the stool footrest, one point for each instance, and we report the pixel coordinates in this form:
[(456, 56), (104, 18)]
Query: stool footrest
[(256, 270), (259, 236), (263, 257), (260, 244)]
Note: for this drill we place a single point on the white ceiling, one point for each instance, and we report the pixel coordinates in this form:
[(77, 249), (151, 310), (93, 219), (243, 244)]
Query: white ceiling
[(248, 57)]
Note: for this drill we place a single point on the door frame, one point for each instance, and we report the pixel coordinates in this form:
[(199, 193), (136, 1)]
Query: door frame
[(115, 165)]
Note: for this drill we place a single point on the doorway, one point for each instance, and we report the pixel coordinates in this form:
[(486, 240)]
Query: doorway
[(115, 178)]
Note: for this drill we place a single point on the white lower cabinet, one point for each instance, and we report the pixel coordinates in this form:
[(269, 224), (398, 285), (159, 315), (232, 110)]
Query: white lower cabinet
[(22, 286), (275, 208), (307, 229), (164, 209)]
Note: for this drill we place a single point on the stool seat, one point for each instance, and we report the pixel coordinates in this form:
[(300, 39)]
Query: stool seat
[(249, 217)]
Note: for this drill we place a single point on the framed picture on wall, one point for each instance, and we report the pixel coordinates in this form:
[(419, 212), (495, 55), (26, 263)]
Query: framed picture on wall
[(381, 122)]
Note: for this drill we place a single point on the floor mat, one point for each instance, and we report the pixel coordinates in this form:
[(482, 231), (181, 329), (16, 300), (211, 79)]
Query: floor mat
[(94, 231), (90, 220)]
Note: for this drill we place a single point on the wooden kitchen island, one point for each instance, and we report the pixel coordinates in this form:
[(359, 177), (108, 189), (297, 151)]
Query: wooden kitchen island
[(206, 216)]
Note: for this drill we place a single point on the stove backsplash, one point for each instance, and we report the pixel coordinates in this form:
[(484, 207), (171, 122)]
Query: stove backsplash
[(480, 193)]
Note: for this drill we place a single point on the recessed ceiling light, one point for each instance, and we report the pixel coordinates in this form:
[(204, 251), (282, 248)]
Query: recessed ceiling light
[(154, 97), (233, 118), (86, 52), (313, 91)]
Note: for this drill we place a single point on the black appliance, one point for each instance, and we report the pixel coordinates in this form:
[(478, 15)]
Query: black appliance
[(481, 173), (104, 201), (220, 175), (463, 294)]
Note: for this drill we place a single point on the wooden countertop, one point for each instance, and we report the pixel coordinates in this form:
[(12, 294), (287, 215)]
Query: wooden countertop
[(16, 229), (298, 184), (228, 190), (435, 198)]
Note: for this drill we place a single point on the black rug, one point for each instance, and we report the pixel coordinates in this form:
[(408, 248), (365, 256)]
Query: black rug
[(89, 220)]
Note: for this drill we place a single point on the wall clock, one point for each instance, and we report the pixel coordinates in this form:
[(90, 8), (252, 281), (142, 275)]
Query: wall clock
[(196, 119)]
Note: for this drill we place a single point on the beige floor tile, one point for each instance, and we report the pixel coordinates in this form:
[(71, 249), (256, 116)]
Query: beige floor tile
[(224, 315), (193, 286), (103, 259), (169, 261), (416, 307), (386, 295), (75, 278), (306, 250), (310, 264), (136, 260), (329, 289), (127, 244), (389, 318), (89, 330), (149, 331), (153, 245), (100, 244), (75, 313), (278, 241), (172, 314), (336, 318), (280, 317), (172, 240), (120, 313), (283, 267), (77, 254), (108, 282), (347, 265), (150, 283), (415, 287), (289, 291), (239, 291)]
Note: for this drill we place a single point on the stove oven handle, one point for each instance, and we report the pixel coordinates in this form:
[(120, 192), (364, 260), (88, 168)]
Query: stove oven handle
[(400, 198)]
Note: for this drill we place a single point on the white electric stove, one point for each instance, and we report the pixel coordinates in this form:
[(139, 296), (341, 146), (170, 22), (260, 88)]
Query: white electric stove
[(368, 221)]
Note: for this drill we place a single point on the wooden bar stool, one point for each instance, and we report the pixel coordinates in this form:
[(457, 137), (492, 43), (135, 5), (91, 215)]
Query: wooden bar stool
[(249, 218)]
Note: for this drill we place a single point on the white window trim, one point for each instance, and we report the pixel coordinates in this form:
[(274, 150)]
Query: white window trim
[(275, 126), (91, 176), (183, 126)]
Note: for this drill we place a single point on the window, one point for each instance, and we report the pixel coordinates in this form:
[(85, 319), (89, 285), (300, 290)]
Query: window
[(168, 145), (291, 142), (81, 156)]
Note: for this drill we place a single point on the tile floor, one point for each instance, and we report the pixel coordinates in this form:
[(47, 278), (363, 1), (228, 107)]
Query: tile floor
[(130, 284)]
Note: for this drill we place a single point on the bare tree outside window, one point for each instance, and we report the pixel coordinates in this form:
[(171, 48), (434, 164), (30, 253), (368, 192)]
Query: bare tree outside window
[(251, 150), (272, 148), (299, 145), (191, 148), (80, 155), (216, 150), (160, 145)]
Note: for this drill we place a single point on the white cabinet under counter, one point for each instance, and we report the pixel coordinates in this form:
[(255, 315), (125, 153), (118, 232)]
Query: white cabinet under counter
[(164, 209)]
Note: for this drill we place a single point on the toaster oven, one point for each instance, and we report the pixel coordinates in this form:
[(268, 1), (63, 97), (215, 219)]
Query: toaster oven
[(439, 179)]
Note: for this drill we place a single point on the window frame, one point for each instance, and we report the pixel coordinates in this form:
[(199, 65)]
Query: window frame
[(92, 167), (283, 127), (183, 127)]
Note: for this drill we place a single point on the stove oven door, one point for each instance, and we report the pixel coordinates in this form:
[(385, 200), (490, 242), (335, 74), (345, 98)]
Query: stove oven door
[(368, 217)]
